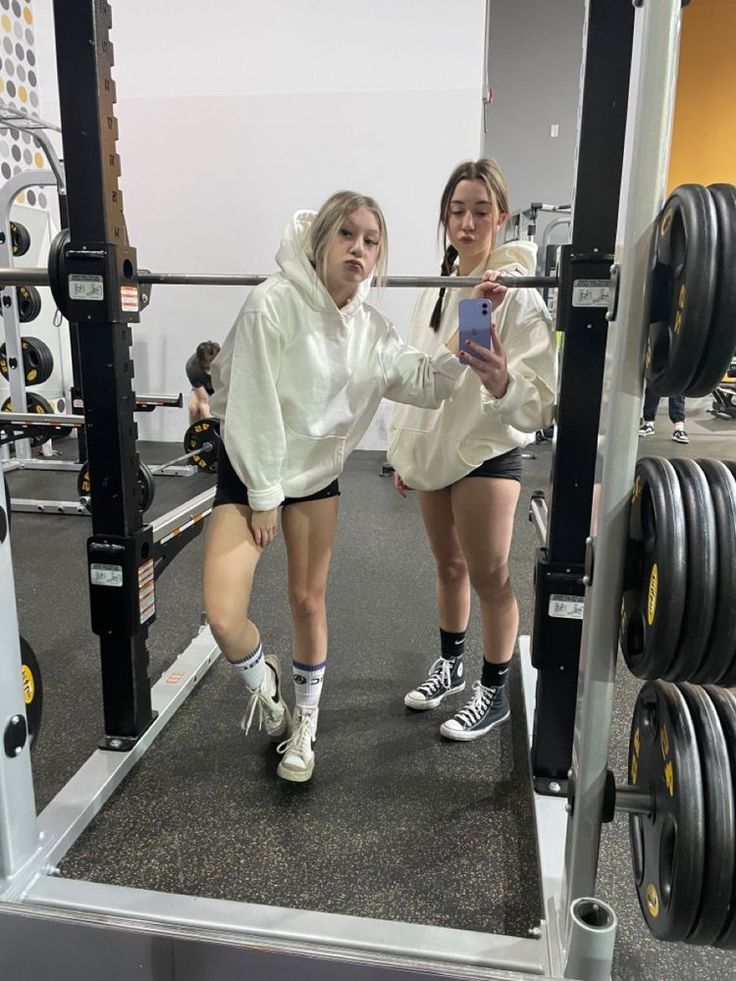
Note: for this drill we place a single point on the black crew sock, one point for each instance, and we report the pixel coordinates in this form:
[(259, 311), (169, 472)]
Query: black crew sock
[(453, 645), (495, 675)]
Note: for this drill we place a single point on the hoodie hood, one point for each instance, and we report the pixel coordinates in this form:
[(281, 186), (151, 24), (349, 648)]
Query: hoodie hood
[(515, 257), (292, 258)]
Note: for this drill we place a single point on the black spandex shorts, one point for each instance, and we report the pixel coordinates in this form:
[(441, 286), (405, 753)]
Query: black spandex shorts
[(232, 490), (507, 466)]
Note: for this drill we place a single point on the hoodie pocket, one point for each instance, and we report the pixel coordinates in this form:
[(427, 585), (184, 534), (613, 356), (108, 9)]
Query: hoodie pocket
[(312, 462)]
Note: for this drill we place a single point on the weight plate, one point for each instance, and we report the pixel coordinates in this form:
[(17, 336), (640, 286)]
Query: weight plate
[(728, 678), (683, 282), (724, 702), (146, 487), (38, 361), (32, 690), (204, 437), (722, 642), (718, 353), (34, 403), (668, 845), (701, 569), (29, 303), (20, 238), (720, 822), (654, 595), (57, 271)]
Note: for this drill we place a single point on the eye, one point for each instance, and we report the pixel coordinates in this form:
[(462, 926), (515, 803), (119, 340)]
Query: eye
[(371, 241), (345, 232)]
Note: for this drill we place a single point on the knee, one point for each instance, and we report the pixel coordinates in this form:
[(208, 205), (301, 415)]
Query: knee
[(492, 583), (226, 623), (452, 571), (307, 604)]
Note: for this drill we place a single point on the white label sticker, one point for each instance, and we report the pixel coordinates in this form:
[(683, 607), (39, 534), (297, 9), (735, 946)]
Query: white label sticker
[(591, 292), (129, 299), (105, 575), (86, 287), (566, 607)]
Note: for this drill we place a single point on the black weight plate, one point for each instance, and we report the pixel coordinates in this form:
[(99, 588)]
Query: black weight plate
[(701, 570), (652, 604), (4, 370), (20, 238), (728, 678), (34, 403), (32, 690), (716, 360), (6, 508), (29, 303), (682, 289), (57, 270), (720, 820), (725, 705), (146, 487), (722, 642), (38, 361), (668, 845), (84, 483), (197, 437)]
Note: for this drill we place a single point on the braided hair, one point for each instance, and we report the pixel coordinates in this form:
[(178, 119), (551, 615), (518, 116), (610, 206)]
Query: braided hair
[(447, 263), (487, 171)]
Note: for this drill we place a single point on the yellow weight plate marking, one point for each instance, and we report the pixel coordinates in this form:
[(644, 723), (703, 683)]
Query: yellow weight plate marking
[(652, 900), (29, 687), (652, 594)]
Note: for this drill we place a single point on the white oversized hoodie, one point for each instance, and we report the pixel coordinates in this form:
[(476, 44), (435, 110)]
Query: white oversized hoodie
[(431, 450), (298, 381)]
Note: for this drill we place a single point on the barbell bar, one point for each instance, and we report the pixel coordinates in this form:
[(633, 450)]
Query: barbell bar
[(19, 276)]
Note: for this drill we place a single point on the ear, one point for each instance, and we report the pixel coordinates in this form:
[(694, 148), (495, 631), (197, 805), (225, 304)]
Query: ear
[(502, 216)]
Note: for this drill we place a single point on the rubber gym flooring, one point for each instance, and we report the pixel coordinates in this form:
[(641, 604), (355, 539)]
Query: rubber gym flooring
[(396, 823)]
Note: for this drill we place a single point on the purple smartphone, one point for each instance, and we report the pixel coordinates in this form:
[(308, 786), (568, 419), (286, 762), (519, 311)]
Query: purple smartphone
[(474, 323)]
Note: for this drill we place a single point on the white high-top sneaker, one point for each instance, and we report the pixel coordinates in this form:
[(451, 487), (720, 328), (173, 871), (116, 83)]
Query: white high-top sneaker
[(273, 715), (298, 756)]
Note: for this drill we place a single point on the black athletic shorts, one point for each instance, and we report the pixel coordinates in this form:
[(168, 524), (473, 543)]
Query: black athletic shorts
[(232, 490), (507, 466)]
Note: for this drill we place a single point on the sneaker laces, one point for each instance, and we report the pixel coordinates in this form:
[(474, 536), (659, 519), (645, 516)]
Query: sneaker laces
[(477, 706), (261, 700), (300, 740), (440, 678)]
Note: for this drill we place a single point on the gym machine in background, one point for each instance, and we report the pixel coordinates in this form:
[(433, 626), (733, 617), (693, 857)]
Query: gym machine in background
[(576, 934)]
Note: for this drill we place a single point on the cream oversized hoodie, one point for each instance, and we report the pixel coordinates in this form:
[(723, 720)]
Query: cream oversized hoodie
[(298, 381), (431, 450)]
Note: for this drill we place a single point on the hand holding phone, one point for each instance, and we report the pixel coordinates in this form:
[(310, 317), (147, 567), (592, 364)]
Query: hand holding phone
[(474, 324)]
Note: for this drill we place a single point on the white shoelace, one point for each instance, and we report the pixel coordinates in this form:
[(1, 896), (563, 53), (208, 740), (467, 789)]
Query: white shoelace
[(261, 700), (440, 678), (300, 740), (477, 706)]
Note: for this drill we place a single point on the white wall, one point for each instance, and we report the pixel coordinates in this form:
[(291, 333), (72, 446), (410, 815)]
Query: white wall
[(233, 115)]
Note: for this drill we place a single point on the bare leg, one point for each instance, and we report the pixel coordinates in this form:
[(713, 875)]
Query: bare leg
[(453, 584), (484, 519)]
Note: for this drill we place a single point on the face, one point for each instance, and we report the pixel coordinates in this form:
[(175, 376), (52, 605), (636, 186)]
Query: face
[(472, 220), (353, 254)]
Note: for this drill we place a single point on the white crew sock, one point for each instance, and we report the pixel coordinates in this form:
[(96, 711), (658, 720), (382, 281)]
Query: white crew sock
[(308, 680)]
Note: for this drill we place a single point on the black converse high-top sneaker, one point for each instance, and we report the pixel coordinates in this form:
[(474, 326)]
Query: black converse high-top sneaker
[(487, 708), (446, 676)]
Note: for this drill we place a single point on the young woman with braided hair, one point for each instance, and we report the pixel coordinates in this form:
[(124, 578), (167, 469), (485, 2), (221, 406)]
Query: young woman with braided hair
[(464, 458)]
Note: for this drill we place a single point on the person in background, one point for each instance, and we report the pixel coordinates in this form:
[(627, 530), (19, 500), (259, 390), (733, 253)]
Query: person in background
[(199, 372), (677, 416), (464, 459), (297, 383)]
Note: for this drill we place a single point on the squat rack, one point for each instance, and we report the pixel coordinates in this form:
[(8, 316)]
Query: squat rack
[(66, 925)]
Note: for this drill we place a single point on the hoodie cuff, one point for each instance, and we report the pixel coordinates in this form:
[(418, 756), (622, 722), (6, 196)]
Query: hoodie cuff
[(509, 401), (265, 500), (448, 364)]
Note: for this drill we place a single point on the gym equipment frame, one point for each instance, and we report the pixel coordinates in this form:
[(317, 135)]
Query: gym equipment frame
[(82, 929)]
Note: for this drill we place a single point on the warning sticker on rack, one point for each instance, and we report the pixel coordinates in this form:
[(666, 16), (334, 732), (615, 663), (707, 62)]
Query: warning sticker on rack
[(129, 299), (566, 607), (146, 591), (82, 287), (591, 292)]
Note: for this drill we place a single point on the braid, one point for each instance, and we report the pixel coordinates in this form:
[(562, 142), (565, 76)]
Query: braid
[(447, 263)]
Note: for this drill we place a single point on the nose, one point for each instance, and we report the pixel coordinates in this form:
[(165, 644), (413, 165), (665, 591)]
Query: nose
[(357, 247), (468, 221)]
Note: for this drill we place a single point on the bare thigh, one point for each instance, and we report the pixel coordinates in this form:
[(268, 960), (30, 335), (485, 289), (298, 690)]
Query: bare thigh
[(439, 523), (309, 532), (484, 510), (230, 559)]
